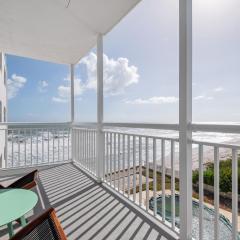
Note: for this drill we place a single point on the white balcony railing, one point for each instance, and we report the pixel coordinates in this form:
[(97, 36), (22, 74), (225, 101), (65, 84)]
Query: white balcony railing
[(84, 148), (35, 144), (143, 166)]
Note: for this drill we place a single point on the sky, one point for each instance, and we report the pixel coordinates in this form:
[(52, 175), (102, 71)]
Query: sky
[(140, 70)]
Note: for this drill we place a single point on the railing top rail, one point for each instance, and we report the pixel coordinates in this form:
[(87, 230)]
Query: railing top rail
[(142, 135), (195, 127), (223, 128), (160, 126), (84, 124), (13, 125), (220, 145)]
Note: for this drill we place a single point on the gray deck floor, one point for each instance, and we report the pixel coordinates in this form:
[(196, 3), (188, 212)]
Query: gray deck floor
[(88, 210)]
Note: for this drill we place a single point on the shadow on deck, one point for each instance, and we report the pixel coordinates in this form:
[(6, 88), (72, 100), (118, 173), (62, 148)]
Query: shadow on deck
[(88, 210)]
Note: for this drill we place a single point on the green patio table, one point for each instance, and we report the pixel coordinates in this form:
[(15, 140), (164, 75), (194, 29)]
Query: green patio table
[(14, 204)]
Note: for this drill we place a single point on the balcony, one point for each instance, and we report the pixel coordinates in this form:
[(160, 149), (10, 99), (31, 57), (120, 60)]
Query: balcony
[(115, 180), (88, 210), (138, 170)]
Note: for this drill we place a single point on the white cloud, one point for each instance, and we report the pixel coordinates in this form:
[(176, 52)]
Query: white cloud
[(60, 100), (218, 89), (42, 86), (199, 97), (202, 97), (64, 91), (153, 100), (15, 83), (118, 75)]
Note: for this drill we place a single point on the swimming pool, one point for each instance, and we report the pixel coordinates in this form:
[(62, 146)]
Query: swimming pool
[(225, 226)]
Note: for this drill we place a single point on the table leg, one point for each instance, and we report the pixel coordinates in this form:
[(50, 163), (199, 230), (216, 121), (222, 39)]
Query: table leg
[(23, 221), (10, 229)]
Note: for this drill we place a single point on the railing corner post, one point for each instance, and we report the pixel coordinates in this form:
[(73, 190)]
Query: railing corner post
[(100, 134), (185, 118)]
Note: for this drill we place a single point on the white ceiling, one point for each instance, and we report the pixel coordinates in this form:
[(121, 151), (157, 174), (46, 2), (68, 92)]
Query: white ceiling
[(54, 31)]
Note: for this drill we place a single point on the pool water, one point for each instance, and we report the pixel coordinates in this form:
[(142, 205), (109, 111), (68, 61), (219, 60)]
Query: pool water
[(225, 226)]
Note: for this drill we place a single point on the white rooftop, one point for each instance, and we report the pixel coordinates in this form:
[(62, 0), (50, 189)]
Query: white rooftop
[(60, 31)]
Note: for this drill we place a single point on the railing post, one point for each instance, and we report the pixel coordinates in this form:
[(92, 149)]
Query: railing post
[(72, 111), (185, 118), (100, 134)]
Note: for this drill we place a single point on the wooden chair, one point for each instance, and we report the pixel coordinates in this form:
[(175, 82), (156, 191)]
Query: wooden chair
[(26, 182), (45, 227)]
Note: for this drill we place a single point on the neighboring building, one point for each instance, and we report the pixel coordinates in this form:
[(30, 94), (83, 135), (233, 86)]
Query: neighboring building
[(3, 110)]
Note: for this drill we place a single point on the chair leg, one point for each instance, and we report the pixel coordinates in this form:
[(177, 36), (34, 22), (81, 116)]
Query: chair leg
[(10, 229), (23, 221)]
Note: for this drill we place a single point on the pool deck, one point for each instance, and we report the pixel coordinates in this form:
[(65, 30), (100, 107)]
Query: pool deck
[(89, 210)]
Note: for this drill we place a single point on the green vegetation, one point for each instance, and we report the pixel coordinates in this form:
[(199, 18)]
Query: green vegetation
[(225, 175), (159, 181)]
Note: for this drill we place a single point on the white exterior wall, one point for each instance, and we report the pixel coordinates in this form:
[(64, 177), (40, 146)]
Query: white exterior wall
[(3, 105)]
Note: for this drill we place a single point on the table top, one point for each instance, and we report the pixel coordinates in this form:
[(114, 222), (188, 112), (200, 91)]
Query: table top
[(14, 203)]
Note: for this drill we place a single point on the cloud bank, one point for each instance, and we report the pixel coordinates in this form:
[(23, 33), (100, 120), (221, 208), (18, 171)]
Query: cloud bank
[(42, 86), (153, 100), (118, 75), (15, 84)]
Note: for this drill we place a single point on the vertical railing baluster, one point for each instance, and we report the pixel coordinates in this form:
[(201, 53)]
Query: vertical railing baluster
[(73, 143), (95, 143), (140, 171), (37, 144), (85, 144), (12, 148), (58, 142), (147, 172), (63, 133), (93, 151), (134, 168), (154, 177), (201, 194), (118, 161), (216, 192), (114, 164), (42, 147), (163, 178), (18, 148), (48, 144), (128, 145), (123, 162), (78, 142), (173, 182), (88, 147), (107, 156), (89, 150), (111, 155), (68, 144), (31, 152), (25, 147), (53, 135), (235, 234), (80, 146)]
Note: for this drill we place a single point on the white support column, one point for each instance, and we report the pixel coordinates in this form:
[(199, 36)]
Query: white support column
[(100, 134), (72, 110), (72, 93), (185, 117)]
